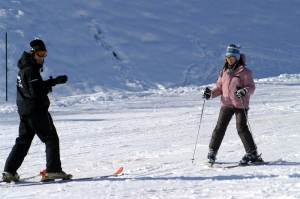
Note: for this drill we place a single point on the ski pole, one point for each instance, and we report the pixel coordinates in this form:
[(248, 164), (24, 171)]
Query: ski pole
[(245, 114), (248, 121), (198, 131), (241, 98)]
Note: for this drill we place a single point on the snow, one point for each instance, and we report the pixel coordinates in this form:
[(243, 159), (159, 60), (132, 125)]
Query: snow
[(141, 108), (152, 135)]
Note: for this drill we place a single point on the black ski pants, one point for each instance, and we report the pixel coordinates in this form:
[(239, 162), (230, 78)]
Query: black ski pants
[(42, 125), (225, 116)]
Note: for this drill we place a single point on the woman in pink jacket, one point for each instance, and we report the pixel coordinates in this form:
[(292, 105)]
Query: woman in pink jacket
[(235, 85)]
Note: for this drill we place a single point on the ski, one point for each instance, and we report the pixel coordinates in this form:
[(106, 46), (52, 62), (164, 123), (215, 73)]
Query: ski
[(212, 165), (30, 183), (218, 166), (252, 164)]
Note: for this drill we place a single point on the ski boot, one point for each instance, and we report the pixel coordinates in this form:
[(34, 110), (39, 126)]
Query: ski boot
[(8, 177), (251, 156), (211, 156), (51, 176)]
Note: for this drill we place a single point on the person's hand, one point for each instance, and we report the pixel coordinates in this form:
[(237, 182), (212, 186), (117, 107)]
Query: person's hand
[(57, 80), (62, 79), (206, 93), (241, 92)]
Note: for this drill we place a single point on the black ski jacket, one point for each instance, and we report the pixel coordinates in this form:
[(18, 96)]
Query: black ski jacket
[(32, 90)]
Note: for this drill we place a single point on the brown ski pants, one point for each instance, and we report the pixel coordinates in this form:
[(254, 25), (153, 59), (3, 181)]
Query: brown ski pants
[(225, 116)]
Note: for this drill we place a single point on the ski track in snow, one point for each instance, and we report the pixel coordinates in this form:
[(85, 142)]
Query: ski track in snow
[(120, 61), (152, 135)]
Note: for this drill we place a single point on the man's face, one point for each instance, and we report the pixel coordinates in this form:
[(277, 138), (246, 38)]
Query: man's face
[(38, 59), (40, 55)]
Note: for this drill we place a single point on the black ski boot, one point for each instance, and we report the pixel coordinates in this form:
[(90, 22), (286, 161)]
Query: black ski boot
[(211, 156), (252, 156)]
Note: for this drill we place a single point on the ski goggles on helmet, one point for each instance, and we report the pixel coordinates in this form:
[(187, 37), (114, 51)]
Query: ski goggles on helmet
[(41, 53)]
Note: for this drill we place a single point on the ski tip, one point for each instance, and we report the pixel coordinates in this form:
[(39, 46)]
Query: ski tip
[(119, 171)]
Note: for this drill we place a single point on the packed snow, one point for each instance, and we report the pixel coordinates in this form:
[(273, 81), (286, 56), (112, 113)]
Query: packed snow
[(140, 108), (152, 135)]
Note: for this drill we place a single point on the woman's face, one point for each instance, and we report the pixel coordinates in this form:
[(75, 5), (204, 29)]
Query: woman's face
[(231, 60)]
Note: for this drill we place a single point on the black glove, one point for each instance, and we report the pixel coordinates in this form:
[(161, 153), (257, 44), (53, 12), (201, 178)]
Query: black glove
[(57, 80), (241, 92), (62, 79), (206, 94)]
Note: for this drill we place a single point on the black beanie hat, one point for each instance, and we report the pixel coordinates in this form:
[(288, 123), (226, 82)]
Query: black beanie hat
[(37, 44)]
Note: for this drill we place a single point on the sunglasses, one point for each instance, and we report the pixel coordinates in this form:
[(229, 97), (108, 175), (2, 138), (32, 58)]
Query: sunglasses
[(42, 53), (230, 58)]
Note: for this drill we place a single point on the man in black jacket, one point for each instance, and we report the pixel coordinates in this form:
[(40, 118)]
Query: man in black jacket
[(33, 104)]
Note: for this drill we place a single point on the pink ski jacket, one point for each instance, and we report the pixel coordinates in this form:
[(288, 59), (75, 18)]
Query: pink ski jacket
[(226, 86)]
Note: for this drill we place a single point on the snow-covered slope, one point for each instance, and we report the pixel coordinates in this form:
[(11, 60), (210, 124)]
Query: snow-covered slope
[(152, 135), (136, 70), (137, 45)]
